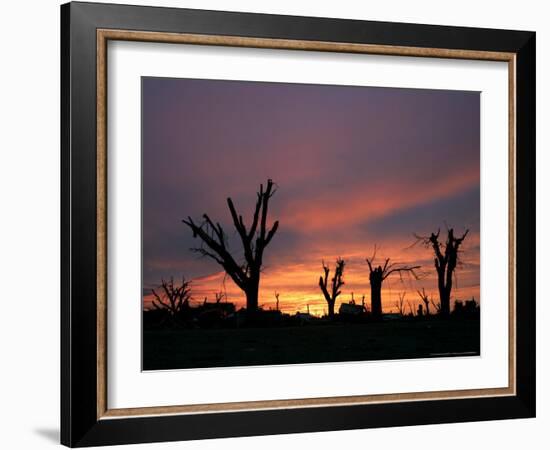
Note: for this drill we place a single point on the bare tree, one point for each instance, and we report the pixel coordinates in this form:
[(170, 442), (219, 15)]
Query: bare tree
[(446, 258), (363, 304), (254, 241), (410, 309), (377, 276), (336, 283), (400, 304), (277, 301), (172, 299), (424, 297)]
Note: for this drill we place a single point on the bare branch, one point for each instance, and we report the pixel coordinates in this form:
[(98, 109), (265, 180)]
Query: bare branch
[(271, 232), (410, 269)]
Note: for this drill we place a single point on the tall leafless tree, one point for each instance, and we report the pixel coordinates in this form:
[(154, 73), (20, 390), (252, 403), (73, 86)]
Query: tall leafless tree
[(377, 276), (172, 298), (445, 261), (254, 242), (332, 291)]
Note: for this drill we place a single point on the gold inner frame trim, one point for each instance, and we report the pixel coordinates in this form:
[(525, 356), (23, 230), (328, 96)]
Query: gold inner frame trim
[(103, 36)]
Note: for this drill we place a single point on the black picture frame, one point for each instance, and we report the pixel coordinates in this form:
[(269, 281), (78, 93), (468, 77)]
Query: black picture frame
[(80, 425)]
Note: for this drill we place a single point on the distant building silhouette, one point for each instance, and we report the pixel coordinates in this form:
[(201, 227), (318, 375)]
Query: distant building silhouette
[(351, 309)]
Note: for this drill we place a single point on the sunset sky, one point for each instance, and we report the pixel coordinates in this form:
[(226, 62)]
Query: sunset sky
[(354, 167)]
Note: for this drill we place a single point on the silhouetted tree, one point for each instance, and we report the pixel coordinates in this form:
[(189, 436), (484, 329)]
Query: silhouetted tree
[(172, 298), (377, 276), (336, 283), (401, 304), (446, 258), (254, 241), (424, 297), (411, 313), (363, 304), (219, 296)]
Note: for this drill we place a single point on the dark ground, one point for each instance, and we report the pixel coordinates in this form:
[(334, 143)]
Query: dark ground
[(182, 349)]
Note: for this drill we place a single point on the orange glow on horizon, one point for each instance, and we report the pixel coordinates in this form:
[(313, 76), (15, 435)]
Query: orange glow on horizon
[(298, 287)]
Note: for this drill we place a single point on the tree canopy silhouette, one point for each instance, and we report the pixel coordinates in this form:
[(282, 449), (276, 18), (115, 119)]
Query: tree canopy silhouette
[(254, 240), (445, 261), (377, 276), (336, 283)]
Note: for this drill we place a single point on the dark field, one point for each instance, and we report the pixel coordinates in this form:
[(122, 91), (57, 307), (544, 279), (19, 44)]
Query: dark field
[(183, 349)]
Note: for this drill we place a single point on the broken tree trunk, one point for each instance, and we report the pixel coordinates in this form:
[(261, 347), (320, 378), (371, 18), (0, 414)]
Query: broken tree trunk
[(336, 283), (445, 264), (378, 275)]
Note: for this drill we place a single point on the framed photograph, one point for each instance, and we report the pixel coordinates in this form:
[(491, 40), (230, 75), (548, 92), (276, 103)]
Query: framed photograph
[(276, 224)]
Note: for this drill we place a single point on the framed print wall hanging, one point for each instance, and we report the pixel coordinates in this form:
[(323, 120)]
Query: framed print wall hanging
[(276, 224)]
